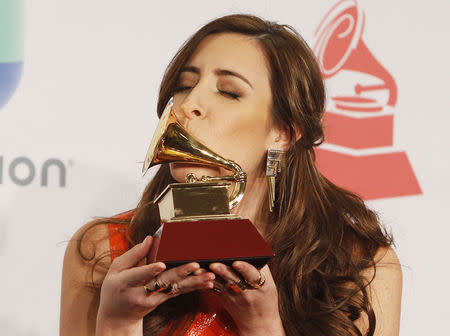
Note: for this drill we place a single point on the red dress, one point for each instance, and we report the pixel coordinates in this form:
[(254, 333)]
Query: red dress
[(211, 319)]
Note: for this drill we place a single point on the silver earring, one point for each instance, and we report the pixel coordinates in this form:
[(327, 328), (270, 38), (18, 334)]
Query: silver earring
[(273, 167)]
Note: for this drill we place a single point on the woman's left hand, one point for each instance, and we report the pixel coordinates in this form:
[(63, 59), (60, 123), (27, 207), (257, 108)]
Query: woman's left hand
[(254, 310)]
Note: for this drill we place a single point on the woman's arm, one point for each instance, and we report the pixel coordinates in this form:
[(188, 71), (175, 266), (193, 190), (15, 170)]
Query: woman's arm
[(385, 294), (79, 304)]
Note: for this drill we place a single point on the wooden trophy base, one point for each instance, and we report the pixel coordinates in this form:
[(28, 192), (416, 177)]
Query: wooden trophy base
[(208, 241)]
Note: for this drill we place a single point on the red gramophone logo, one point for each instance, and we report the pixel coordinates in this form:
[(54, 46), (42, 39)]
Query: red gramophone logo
[(358, 153)]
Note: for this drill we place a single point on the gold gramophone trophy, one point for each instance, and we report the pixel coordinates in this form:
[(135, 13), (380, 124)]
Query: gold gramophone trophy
[(196, 223)]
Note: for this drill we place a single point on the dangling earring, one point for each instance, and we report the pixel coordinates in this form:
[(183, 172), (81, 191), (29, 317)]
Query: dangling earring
[(273, 167)]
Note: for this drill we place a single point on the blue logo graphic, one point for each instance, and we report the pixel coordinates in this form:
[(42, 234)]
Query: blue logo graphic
[(11, 47)]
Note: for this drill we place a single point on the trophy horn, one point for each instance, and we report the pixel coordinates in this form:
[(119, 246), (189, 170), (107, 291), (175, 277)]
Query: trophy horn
[(173, 143)]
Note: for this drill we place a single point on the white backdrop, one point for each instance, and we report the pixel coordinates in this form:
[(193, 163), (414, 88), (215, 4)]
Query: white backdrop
[(88, 96)]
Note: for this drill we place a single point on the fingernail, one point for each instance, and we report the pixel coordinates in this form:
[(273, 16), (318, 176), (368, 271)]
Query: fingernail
[(160, 267), (143, 242)]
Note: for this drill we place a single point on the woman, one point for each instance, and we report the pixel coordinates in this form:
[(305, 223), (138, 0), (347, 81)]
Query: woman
[(242, 86)]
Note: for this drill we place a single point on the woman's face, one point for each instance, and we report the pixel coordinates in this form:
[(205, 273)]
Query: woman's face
[(223, 98)]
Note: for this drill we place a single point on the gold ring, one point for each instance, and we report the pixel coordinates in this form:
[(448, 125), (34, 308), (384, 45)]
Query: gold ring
[(166, 290), (175, 289), (156, 288), (259, 283)]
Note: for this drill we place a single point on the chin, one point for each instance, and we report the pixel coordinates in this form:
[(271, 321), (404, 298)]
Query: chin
[(180, 170)]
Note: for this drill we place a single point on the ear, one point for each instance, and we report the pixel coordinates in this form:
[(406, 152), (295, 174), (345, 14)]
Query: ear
[(280, 138)]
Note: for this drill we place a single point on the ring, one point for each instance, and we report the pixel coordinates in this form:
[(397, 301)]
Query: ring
[(216, 290), (150, 291), (174, 289), (167, 290), (237, 286), (258, 284), (218, 287), (157, 287)]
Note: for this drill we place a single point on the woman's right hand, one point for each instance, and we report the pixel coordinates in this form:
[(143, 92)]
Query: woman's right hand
[(123, 299)]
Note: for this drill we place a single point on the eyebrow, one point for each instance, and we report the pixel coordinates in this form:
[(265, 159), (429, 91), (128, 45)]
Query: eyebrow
[(218, 72)]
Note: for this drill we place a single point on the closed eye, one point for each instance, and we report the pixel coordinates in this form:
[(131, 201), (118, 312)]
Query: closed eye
[(182, 88), (230, 94)]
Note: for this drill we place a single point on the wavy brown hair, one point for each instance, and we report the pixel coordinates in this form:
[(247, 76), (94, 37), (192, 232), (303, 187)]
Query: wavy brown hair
[(323, 236)]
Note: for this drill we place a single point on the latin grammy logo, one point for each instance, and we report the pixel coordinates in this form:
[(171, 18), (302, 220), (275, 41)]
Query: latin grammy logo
[(358, 153)]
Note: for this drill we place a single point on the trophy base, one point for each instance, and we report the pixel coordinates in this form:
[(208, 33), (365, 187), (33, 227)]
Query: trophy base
[(209, 241)]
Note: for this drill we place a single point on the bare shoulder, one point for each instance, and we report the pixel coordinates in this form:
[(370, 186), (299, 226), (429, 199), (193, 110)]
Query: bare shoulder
[(386, 256), (385, 292), (387, 271), (88, 247), (86, 262)]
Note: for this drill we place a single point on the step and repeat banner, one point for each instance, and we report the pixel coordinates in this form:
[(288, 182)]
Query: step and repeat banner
[(78, 90)]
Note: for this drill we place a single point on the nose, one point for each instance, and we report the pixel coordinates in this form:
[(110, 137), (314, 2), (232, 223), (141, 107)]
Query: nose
[(191, 106)]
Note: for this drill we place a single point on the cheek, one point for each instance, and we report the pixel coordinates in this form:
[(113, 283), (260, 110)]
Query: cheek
[(243, 141), (250, 152)]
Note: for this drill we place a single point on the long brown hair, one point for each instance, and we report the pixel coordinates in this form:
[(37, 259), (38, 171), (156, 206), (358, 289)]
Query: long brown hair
[(323, 235)]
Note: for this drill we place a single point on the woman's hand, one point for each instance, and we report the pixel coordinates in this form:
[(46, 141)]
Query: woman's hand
[(254, 310), (123, 299)]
